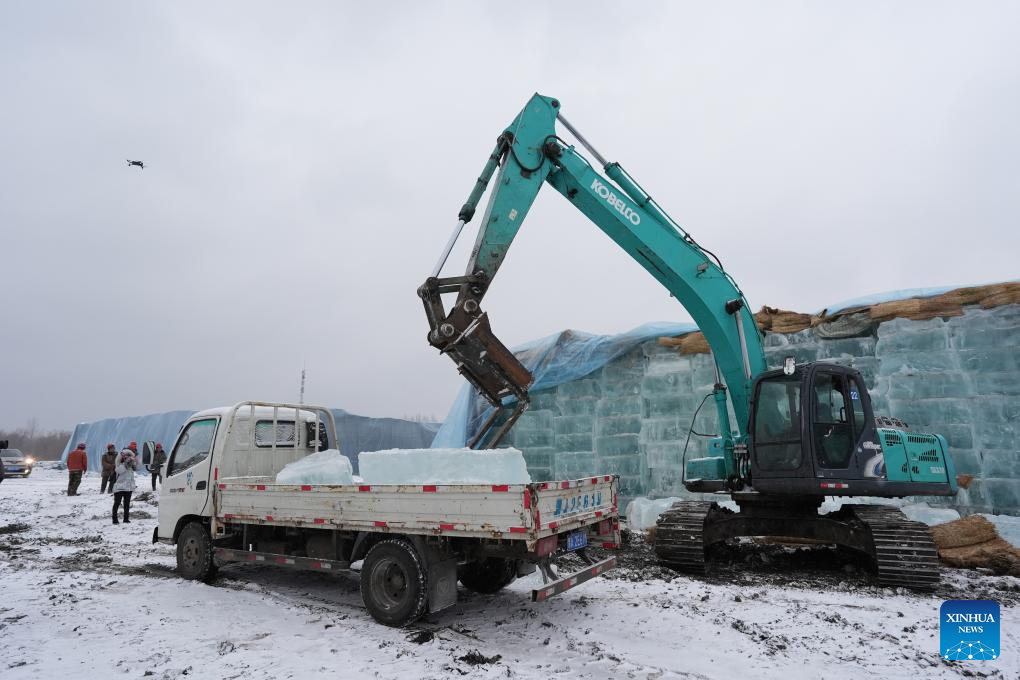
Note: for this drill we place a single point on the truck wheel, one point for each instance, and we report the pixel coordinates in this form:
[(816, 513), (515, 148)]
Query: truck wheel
[(488, 576), (394, 583), (195, 553)]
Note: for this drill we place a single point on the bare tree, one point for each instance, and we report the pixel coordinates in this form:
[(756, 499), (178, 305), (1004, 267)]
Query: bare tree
[(32, 427), (43, 445)]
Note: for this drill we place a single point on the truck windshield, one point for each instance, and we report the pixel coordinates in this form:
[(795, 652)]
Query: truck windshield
[(194, 445)]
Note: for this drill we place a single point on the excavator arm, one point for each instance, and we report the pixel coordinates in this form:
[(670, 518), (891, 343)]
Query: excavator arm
[(527, 155)]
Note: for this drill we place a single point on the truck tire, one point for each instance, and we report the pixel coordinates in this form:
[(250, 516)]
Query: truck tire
[(195, 553), (394, 583), (488, 576)]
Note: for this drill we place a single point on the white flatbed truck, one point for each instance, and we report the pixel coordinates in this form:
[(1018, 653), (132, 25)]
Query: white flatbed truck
[(220, 504)]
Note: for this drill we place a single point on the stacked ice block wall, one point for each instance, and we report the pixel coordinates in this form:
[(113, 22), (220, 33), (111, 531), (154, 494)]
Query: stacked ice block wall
[(959, 377)]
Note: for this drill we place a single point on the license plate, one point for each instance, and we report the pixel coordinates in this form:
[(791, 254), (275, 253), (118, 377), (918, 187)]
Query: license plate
[(576, 540)]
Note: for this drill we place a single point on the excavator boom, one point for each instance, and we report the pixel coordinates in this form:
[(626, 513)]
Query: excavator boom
[(528, 154)]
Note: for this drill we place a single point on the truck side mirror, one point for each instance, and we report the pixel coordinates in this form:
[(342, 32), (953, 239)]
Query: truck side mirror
[(148, 449)]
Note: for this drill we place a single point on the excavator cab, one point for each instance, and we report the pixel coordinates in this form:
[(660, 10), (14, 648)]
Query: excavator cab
[(813, 432)]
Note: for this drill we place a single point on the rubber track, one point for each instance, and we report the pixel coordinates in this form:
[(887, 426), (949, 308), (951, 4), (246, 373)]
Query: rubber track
[(679, 536), (905, 552)]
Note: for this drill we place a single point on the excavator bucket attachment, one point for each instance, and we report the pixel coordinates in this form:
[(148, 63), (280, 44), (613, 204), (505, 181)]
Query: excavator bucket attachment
[(480, 357), (494, 371), (486, 362)]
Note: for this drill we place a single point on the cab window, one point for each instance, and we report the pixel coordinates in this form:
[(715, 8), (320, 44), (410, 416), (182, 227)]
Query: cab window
[(857, 407), (285, 435), (777, 442), (831, 429), (193, 446)]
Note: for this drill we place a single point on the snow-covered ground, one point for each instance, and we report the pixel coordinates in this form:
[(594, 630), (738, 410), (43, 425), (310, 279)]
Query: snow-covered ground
[(81, 596)]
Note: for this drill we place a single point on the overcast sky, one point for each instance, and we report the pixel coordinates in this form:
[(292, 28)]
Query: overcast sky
[(305, 163)]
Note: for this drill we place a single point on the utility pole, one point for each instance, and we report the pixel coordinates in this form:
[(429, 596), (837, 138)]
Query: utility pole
[(301, 397)]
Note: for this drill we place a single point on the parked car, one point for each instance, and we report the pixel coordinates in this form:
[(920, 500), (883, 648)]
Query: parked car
[(16, 464)]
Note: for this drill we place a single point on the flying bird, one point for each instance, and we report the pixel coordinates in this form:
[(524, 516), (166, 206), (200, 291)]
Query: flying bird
[(138, 163)]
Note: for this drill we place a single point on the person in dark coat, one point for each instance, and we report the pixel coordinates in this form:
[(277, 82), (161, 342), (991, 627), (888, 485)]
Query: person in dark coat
[(158, 458), (109, 462)]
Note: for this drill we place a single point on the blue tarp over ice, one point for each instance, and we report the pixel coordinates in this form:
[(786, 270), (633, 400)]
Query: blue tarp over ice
[(157, 427), (554, 360), (357, 433)]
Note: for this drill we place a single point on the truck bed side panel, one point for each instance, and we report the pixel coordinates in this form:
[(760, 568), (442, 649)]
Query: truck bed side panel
[(515, 511), (465, 510)]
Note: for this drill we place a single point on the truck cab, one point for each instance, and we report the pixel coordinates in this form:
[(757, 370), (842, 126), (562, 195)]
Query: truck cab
[(251, 439)]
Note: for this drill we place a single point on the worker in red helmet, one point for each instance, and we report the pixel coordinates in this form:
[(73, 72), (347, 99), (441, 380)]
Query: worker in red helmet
[(77, 465), (156, 468)]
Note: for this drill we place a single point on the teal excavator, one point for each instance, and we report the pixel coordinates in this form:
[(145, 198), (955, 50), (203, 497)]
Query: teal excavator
[(798, 434)]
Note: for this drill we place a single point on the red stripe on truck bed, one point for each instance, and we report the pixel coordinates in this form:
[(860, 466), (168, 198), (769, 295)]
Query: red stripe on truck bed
[(260, 487), (319, 520), (527, 500), (429, 488), (518, 530), (500, 488), (446, 527), (364, 487), (306, 487), (379, 524)]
